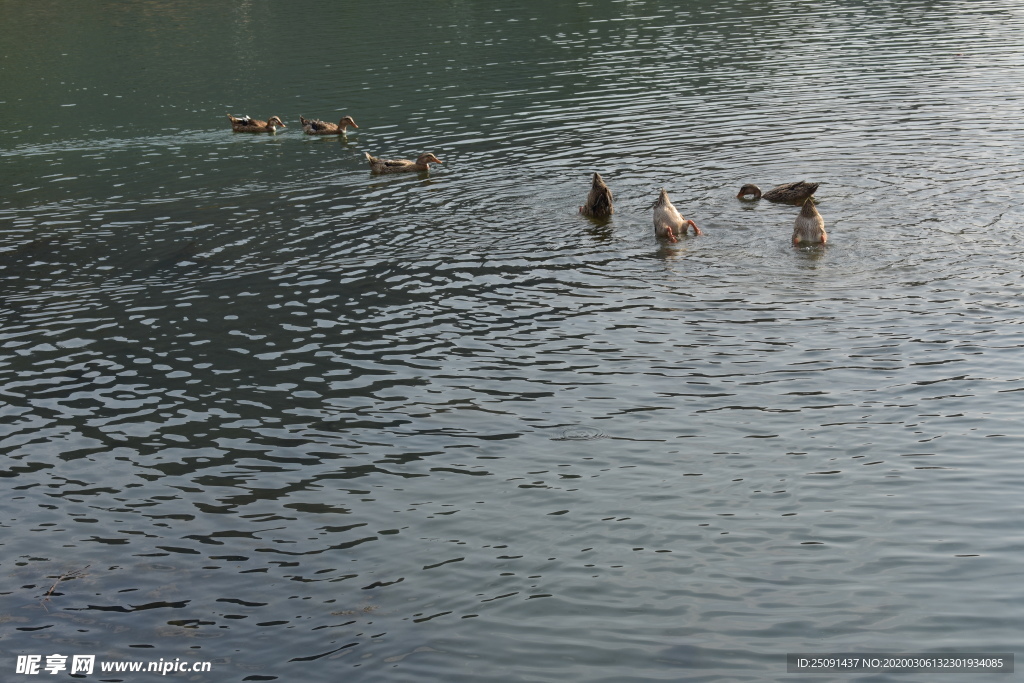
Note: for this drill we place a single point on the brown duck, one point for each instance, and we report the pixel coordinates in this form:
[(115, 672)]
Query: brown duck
[(422, 163), (318, 127), (809, 227), (599, 201), (668, 223), (247, 124), (790, 193)]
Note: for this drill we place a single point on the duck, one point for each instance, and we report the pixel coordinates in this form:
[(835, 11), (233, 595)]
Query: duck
[(809, 227), (246, 124), (378, 165), (599, 201), (790, 193), (318, 127), (668, 222)]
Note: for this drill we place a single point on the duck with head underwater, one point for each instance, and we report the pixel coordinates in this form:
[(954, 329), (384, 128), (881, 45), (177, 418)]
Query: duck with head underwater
[(790, 193), (599, 201), (668, 222), (809, 227)]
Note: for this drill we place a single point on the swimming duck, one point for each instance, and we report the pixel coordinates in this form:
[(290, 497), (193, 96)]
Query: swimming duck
[(318, 127), (790, 193), (668, 223), (246, 124), (809, 227), (599, 201), (378, 165)]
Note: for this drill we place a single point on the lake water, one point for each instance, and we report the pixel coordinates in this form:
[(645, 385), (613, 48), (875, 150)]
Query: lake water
[(262, 409)]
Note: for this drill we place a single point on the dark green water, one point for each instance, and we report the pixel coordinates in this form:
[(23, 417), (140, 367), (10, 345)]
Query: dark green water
[(262, 409)]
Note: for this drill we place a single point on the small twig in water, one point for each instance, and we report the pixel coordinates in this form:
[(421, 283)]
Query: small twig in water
[(73, 574)]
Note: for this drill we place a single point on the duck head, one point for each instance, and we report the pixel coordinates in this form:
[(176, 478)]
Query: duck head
[(427, 158), (275, 122), (347, 121), (748, 190)]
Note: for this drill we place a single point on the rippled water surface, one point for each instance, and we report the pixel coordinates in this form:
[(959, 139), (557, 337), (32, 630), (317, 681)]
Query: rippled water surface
[(262, 409)]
